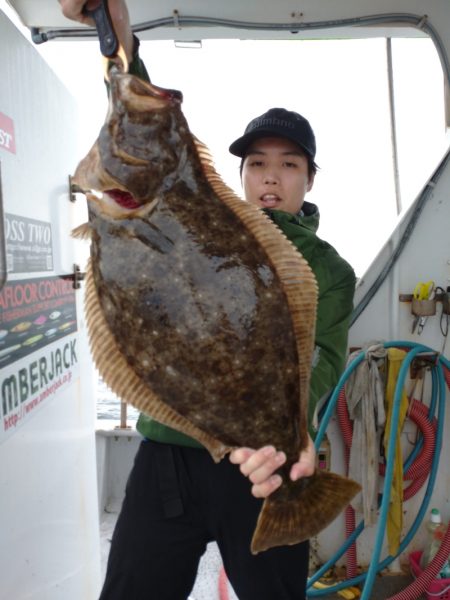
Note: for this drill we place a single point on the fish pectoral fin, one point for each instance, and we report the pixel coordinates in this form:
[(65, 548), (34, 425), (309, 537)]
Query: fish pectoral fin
[(300, 510), (82, 232)]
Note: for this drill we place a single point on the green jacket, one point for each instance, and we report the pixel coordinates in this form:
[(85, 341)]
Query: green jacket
[(336, 281)]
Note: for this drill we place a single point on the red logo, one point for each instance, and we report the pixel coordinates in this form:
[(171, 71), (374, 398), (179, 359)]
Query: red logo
[(7, 140)]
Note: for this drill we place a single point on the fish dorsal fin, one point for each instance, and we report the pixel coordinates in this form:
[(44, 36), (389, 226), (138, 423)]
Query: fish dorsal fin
[(123, 381), (82, 232), (297, 279)]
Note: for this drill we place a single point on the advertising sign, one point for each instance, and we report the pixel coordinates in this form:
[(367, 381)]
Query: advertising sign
[(38, 346), (29, 246), (34, 313), (7, 139)]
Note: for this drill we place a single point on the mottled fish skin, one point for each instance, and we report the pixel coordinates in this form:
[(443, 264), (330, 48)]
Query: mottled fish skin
[(191, 286), (194, 322)]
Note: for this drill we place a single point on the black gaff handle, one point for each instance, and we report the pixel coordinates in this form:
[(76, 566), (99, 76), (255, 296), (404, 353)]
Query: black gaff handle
[(109, 43)]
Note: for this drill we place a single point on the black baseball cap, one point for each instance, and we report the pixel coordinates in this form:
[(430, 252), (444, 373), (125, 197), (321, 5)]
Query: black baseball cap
[(277, 122)]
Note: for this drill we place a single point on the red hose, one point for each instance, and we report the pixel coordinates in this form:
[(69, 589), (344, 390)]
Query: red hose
[(419, 585), (447, 377), (350, 519), (223, 585), (418, 471)]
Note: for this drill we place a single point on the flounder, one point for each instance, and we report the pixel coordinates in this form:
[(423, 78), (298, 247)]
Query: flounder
[(200, 312)]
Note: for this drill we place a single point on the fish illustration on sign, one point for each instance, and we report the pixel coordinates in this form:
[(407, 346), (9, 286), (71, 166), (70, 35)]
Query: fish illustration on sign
[(187, 291)]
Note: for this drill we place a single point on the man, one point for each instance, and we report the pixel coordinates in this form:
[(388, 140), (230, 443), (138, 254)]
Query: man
[(177, 499)]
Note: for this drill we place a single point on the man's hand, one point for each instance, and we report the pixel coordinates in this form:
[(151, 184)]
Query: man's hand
[(260, 466), (73, 9)]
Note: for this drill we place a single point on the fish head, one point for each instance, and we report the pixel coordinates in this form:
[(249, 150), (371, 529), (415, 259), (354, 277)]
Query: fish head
[(141, 150)]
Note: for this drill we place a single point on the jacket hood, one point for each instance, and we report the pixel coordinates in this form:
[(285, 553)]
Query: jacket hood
[(309, 216)]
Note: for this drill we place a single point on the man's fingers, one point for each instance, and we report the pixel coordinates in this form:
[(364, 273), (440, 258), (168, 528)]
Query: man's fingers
[(258, 465), (266, 467), (240, 455), (301, 469), (118, 11), (73, 9), (257, 460), (306, 464), (262, 490)]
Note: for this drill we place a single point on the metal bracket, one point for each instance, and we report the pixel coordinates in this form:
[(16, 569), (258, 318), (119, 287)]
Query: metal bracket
[(442, 296), (421, 363), (446, 302), (423, 21), (176, 19), (76, 277), (37, 36), (74, 189), (439, 297)]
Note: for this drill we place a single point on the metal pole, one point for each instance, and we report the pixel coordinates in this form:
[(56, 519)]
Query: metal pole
[(390, 74), (123, 415)]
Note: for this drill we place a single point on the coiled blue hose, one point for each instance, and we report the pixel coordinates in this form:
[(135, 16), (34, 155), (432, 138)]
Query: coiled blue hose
[(438, 398)]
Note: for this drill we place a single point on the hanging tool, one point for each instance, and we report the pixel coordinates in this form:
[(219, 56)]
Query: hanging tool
[(349, 593), (422, 291), (110, 46), (423, 320)]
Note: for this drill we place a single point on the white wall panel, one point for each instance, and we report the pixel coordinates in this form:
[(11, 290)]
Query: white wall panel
[(49, 543)]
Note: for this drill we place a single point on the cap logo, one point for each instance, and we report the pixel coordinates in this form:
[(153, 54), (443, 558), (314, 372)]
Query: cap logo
[(271, 122)]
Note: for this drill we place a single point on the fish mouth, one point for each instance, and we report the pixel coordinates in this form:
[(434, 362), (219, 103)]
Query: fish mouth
[(117, 203), (113, 202), (169, 95), (144, 94), (118, 78), (122, 198)]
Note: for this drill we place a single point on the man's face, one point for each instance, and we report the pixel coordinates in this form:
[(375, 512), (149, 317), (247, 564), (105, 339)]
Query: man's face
[(275, 175)]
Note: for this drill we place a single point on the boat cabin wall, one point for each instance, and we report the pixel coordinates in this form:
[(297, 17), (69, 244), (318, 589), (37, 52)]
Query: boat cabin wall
[(421, 242), (48, 503)]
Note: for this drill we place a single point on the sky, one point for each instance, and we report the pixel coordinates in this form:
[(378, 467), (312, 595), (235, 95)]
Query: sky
[(339, 85)]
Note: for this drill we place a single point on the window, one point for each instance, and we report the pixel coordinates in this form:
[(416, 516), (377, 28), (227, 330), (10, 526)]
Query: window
[(340, 85)]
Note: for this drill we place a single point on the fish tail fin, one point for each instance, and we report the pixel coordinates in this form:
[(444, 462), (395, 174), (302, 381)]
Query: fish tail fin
[(300, 510)]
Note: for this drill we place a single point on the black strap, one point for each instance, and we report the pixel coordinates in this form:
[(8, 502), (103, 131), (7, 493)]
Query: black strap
[(109, 44), (168, 481)]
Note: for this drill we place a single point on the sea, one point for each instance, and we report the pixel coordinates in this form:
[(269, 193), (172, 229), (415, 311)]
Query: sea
[(108, 404)]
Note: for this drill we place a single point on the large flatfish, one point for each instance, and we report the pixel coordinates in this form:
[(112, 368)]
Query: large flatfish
[(200, 312)]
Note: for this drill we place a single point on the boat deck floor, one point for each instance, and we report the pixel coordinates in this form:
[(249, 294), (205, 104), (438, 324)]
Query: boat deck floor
[(385, 587), (210, 569)]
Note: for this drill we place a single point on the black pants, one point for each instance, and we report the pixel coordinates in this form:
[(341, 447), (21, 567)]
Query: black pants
[(177, 500)]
